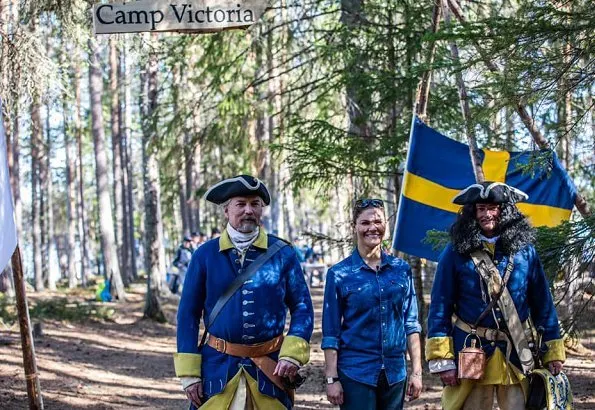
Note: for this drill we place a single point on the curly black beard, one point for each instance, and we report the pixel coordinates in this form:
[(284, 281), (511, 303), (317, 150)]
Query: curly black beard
[(514, 230)]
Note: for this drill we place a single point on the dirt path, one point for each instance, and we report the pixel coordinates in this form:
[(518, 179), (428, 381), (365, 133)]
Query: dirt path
[(127, 364)]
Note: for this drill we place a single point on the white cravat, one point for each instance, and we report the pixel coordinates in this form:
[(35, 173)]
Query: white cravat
[(489, 240), (241, 240)]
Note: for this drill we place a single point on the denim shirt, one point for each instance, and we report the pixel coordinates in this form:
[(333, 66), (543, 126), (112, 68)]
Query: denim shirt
[(367, 317)]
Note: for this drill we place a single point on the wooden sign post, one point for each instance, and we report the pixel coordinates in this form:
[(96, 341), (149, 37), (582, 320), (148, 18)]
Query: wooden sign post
[(199, 16)]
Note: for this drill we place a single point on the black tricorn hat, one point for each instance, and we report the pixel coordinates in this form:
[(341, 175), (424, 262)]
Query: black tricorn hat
[(489, 193), (241, 185)]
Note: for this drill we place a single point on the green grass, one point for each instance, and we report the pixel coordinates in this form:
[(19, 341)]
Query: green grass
[(59, 308)]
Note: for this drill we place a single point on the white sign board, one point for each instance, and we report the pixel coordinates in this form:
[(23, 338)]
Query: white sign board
[(170, 15)]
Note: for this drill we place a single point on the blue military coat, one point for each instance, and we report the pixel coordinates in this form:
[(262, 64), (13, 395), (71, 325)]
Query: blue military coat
[(255, 313), (457, 289)]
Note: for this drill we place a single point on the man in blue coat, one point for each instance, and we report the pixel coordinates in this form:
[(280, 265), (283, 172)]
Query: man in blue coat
[(247, 362), (491, 225)]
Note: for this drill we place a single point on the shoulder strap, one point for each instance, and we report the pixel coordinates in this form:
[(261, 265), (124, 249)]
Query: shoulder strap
[(486, 267), (495, 298), (238, 282)]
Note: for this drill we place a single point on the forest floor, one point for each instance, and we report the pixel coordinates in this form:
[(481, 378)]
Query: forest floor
[(117, 360)]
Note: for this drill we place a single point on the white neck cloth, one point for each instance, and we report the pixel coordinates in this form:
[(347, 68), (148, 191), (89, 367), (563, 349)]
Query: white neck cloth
[(241, 240), (489, 240)]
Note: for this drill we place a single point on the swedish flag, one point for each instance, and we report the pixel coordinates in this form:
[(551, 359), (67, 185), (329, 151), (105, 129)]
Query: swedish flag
[(439, 167)]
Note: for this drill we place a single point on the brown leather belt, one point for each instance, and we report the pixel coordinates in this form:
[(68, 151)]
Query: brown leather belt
[(257, 353), (487, 333), (240, 350)]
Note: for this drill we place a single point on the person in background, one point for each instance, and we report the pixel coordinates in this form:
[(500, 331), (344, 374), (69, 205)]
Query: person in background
[(247, 362), (490, 223), (369, 322), (215, 233), (196, 242), (181, 262), (299, 251)]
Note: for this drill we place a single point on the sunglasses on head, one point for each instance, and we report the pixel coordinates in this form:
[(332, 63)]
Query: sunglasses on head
[(367, 203)]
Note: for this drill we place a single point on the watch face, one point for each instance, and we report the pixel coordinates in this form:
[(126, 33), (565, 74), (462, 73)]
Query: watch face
[(331, 380)]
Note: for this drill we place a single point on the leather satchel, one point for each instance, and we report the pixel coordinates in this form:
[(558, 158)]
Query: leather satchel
[(472, 360)]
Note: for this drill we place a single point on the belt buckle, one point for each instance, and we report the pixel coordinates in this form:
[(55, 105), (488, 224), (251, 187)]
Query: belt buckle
[(220, 342), (492, 334)]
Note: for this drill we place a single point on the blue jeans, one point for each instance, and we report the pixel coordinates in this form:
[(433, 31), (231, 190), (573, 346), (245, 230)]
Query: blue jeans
[(359, 396)]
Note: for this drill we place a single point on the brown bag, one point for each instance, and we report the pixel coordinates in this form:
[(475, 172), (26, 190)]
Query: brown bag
[(472, 360)]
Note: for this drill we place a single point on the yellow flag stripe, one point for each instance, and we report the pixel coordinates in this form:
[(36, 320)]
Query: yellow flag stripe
[(495, 165), (429, 193), (544, 215)]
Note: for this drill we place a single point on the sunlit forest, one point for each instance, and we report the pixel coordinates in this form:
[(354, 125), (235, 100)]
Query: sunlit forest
[(114, 139)]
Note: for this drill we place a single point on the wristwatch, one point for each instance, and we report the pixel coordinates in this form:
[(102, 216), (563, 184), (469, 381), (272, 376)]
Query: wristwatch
[(331, 380)]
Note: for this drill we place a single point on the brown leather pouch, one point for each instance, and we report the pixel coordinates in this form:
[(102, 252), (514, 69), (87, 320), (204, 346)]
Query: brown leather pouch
[(472, 360)]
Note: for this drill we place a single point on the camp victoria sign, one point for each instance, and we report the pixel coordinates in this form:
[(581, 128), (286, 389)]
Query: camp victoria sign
[(171, 15)]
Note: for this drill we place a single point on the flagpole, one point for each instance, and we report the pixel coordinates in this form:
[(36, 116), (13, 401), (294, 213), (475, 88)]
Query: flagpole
[(31, 375)]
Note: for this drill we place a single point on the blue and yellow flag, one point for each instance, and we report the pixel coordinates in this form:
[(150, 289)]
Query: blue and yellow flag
[(439, 167)]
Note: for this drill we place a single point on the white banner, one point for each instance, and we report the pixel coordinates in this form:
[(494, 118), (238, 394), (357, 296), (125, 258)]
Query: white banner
[(8, 231), (201, 16)]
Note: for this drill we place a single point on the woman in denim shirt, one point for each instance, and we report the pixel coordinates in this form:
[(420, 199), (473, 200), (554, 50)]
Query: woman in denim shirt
[(369, 320)]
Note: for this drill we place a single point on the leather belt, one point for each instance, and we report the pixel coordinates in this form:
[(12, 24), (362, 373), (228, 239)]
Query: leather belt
[(487, 333), (258, 354), (241, 350)]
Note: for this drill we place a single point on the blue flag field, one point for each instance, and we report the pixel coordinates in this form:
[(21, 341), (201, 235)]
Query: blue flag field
[(439, 167)]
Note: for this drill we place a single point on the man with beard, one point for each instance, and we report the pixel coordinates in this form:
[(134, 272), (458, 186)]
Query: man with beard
[(242, 284), (467, 300)]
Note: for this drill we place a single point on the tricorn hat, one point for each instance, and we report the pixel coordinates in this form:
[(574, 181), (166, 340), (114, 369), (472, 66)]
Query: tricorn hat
[(489, 193), (241, 185)]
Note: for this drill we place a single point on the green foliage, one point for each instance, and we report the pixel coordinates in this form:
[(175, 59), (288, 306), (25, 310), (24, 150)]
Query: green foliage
[(63, 309), (57, 308), (566, 245), (438, 239), (7, 309)]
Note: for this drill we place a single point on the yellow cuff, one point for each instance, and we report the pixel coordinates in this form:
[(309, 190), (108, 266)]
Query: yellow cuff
[(555, 351), (440, 348), (296, 348), (187, 364)]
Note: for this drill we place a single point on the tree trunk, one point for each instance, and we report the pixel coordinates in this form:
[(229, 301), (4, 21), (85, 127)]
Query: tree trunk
[(509, 144), (153, 219), (43, 207), (182, 165), (70, 175), (565, 148), (106, 227), (125, 253), (127, 170), (116, 151), (358, 100), (83, 223), (7, 282), (36, 144), (53, 270)]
